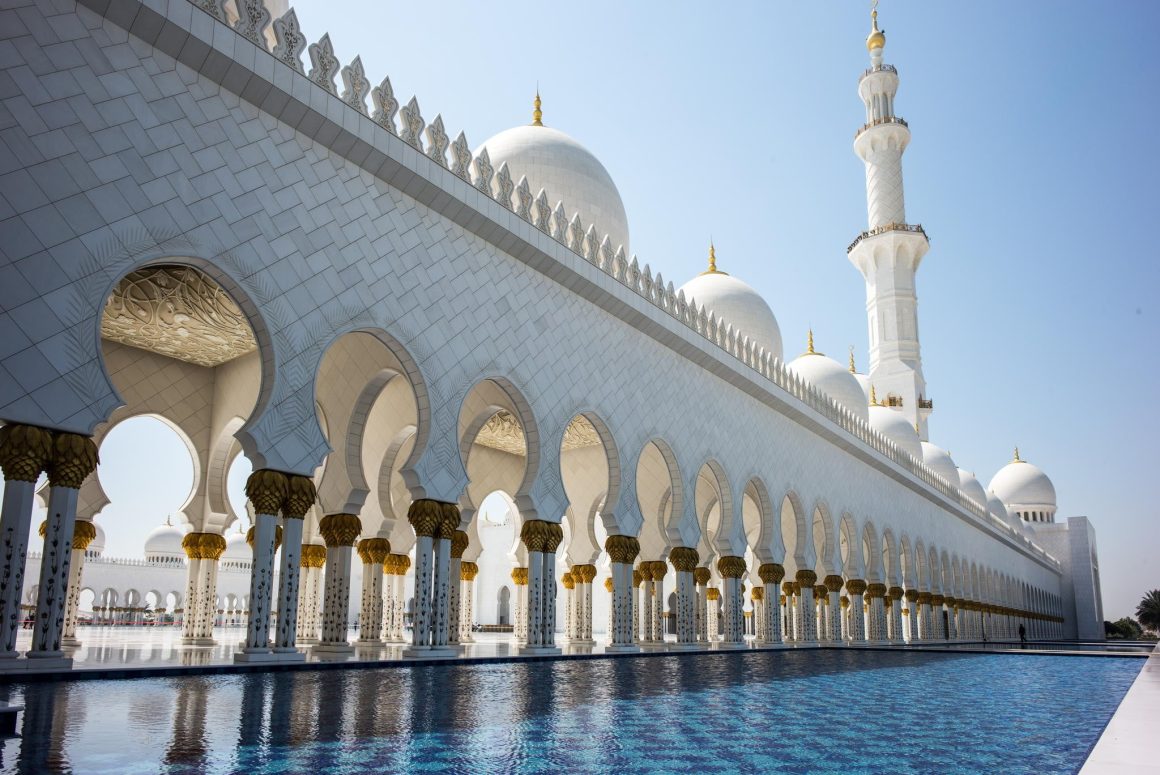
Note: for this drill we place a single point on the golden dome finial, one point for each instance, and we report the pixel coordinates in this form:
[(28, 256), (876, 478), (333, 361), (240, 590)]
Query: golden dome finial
[(1017, 459), (916, 430), (537, 114), (877, 37), (810, 342), (712, 257), (873, 396), (852, 369)]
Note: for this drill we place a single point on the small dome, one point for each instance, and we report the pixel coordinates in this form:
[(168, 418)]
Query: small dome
[(1001, 512), (237, 550), (832, 378), (894, 426), (734, 302), (97, 545), (937, 459), (864, 383), (1024, 487), (165, 541), (970, 485), (567, 171)]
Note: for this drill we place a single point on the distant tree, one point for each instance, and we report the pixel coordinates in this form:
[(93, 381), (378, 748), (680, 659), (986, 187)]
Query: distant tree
[(1148, 612), (1123, 629)]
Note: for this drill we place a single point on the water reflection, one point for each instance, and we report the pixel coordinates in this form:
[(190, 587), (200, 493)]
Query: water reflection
[(485, 718)]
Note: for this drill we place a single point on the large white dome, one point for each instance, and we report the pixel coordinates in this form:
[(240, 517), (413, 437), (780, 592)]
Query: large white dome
[(970, 485), (894, 426), (939, 461), (1024, 487), (831, 378), (568, 172), (165, 541), (738, 305), (996, 506)]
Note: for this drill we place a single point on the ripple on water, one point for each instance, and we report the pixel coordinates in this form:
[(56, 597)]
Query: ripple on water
[(792, 711)]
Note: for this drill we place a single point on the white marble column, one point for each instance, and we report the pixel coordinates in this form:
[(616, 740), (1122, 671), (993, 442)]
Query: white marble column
[(426, 517), (83, 534), (520, 617), (582, 578), (771, 574), (570, 617), (535, 637), (712, 620), (701, 578), (467, 573), (373, 552), (952, 624), (24, 453), (267, 491), (876, 616), (339, 531), (211, 546), (757, 600), (554, 536), (855, 589), (657, 628), (808, 626), (895, 613), (74, 457), (684, 561), (311, 563), (459, 543), (300, 497), (644, 608), (622, 550), (787, 605), (910, 613)]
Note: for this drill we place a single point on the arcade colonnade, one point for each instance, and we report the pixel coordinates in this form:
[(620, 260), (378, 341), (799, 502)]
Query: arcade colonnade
[(314, 581)]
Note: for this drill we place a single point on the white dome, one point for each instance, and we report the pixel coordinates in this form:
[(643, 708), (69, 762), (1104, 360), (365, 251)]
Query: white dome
[(97, 545), (734, 302), (894, 426), (568, 172), (833, 379), (237, 549), (864, 383), (165, 540), (970, 485), (1023, 486), (937, 459), (1001, 512)]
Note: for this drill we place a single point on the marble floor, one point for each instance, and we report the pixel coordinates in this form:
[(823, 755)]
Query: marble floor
[(1128, 744)]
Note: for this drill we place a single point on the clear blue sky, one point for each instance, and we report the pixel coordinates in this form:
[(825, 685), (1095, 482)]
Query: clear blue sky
[(1032, 167)]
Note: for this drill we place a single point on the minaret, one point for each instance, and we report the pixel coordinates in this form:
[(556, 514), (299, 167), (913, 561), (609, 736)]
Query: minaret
[(888, 254)]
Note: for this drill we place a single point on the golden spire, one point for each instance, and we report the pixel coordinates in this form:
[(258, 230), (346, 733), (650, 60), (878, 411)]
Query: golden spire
[(877, 37), (810, 344), (713, 261), (916, 430), (852, 369), (537, 114), (873, 396), (1017, 459)]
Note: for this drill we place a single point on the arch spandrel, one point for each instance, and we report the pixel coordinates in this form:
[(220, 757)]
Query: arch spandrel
[(762, 526), (850, 539), (795, 526), (871, 551), (824, 538)]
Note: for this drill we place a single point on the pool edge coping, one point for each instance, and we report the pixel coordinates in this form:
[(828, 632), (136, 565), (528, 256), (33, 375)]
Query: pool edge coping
[(1127, 743)]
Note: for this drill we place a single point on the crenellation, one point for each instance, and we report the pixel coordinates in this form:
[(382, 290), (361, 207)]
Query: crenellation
[(483, 171), (437, 141), (524, 199), (543, 218), (386, 106), (461, 158), (253, 21), (560, 224), (504, 186), (355, 85), (411, 127), (324, 64)]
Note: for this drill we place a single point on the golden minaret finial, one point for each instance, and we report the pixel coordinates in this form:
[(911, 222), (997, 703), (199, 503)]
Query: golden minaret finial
[(537, 114), (877, 37), (873, 396), (1017, 459), (852, 369)]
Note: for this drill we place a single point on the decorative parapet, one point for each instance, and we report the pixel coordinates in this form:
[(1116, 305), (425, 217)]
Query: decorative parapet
[(571, 233), (878, 69), (906, 227)]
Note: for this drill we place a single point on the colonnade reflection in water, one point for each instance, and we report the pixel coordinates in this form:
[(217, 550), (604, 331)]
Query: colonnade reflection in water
[(748, 711)]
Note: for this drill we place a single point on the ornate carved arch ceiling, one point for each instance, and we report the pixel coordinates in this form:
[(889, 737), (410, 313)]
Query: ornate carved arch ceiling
[(503, 432), (179, 312)]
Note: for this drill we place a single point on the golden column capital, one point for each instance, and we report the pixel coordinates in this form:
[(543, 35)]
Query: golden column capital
[(83, 534), (895, 593), (702, 575), (912, 595), (712, 593), (339, 529), (300, 496), (450, 521), (758, 593), (731, 567), (553, 536), (936, 600), (587, 573), (25, 451), (659, 569), (855, 586), (212, 545), (568, 581), (74, 457), (425, 517), (821, 593), (637, 577), (924, 597), (833, 583), (807, 578), (845, 601), (787, 588), (622, 549), (313, 556), (534, 534), (520, 576), (875, 590), (277, 537), (468, 571), (684, 559), (771, 572), (267, 490), (373, 550), (190, 543), (608, 583), (459, 542)]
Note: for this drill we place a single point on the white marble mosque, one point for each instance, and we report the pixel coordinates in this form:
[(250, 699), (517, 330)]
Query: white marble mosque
[(284, 259)]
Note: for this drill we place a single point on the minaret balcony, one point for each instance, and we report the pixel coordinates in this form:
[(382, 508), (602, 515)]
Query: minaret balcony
[(878, 69), (880, 122), (904, 228)]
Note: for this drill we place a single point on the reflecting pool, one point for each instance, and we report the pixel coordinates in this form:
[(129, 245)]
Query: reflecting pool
[(823, 711)]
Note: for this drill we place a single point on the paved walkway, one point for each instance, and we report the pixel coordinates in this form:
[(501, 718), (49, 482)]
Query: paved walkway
[(1130, 743)]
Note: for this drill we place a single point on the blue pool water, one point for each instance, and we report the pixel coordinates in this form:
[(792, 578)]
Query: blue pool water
[(828, 711)]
